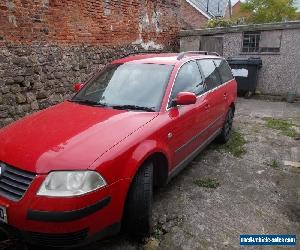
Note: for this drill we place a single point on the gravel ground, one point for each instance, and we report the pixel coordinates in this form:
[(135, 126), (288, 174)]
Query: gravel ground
[(257, 194)]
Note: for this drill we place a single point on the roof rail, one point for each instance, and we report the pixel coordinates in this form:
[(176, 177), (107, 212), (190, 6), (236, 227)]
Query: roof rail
[(183, 54)]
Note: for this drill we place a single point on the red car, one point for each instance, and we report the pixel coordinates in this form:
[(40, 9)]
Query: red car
[(76, 171)]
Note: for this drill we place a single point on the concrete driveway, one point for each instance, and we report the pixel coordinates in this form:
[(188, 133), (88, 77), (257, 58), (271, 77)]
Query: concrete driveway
[(257, 192), (254, 187)]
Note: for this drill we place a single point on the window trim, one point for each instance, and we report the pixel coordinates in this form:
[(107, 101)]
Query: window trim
[(213, 60), (206, 92), (173, 83), (259, 52), (243, 37), (221, 59), (98, 72)]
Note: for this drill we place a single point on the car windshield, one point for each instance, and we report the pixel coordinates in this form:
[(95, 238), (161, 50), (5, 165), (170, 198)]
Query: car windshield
[(127, 86)]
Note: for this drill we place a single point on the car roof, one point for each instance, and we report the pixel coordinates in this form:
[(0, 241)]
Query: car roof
[(161, 58)]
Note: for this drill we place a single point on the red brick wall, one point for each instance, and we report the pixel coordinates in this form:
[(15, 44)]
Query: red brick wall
[(236, 8), (93, 22), (190, 17)]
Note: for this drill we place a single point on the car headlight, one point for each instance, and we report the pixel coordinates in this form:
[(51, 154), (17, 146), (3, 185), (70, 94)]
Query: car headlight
[(71, 183)]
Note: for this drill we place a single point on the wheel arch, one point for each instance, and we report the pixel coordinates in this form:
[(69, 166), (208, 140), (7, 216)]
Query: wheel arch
[(232, 105), (160, 167)]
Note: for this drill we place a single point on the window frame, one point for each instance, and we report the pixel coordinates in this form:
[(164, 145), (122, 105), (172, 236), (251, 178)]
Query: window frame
[(217, 70), (254, 33), (175, 78), (260, 50), (99, 72), (221, 78), (206, 90)]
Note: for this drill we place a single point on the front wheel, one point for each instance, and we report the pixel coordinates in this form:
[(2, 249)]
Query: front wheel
[(227, 127), (138, 207)]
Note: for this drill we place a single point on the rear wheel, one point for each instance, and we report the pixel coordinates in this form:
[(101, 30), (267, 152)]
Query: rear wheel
[(227, 127), (138, 207)]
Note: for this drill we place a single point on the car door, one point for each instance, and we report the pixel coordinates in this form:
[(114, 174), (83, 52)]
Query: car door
[(214, 97), (226, 77), (187, 122)]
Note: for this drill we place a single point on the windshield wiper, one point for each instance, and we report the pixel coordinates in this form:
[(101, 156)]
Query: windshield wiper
[(133, 107), (89, 102)]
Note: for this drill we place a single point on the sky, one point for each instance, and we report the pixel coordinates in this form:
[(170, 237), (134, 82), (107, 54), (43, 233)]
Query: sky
[(234, 1)]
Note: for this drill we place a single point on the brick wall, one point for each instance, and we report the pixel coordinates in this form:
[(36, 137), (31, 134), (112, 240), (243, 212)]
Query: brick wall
[(105, 22), (190, 18), (47, 45)]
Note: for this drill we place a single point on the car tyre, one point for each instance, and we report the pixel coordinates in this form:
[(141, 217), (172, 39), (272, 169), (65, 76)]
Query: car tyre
[(227, 127), (138, 207)]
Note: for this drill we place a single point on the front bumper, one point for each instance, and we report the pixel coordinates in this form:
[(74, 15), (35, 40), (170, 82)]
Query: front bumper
[(77, 238), (66, 221)]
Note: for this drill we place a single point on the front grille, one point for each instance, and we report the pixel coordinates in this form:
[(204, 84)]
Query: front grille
[(57, 240), (14, 182)]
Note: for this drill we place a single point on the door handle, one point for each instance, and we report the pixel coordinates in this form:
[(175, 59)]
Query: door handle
[(206, 106), (225, 95)]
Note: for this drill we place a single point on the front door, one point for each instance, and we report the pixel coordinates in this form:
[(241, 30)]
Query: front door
[(187, 122)]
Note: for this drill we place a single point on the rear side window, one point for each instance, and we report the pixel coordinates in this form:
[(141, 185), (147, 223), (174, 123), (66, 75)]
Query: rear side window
[(188, 79), (224, 70), (211, 74)]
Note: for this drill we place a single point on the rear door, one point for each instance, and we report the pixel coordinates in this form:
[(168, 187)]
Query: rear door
[(226, 78), (214, 97)]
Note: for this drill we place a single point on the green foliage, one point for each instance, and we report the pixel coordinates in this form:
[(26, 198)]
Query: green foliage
[(286, 127), (235, 145), (220, 22), (265, 11), (207, 183), (273, 163)]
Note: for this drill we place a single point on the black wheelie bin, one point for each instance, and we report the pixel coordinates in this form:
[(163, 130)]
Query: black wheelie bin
[(245, 71)]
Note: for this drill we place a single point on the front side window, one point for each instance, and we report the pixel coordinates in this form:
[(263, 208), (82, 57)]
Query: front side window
[(224, 70), (188, 80), (136, 86), (211, 74)]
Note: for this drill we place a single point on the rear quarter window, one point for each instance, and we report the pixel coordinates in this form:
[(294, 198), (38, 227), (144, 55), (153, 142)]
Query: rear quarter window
[(224, 70)]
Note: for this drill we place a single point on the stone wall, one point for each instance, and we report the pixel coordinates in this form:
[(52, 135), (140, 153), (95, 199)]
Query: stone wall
[(280, 72), (35, 77), (48, 45)]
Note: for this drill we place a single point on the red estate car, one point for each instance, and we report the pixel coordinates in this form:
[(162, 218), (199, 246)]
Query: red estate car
[(74, 172)]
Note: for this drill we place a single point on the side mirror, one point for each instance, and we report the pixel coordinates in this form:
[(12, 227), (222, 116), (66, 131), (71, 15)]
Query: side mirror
[(78, 86), (185, 98)]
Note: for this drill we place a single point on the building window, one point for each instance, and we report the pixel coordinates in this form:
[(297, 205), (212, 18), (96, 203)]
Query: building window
[(270, 41), (260, 42), (251, 42)]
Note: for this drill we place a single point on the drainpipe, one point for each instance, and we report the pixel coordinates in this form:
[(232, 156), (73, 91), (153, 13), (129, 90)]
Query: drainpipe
[(230, 8), (207, 6)]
